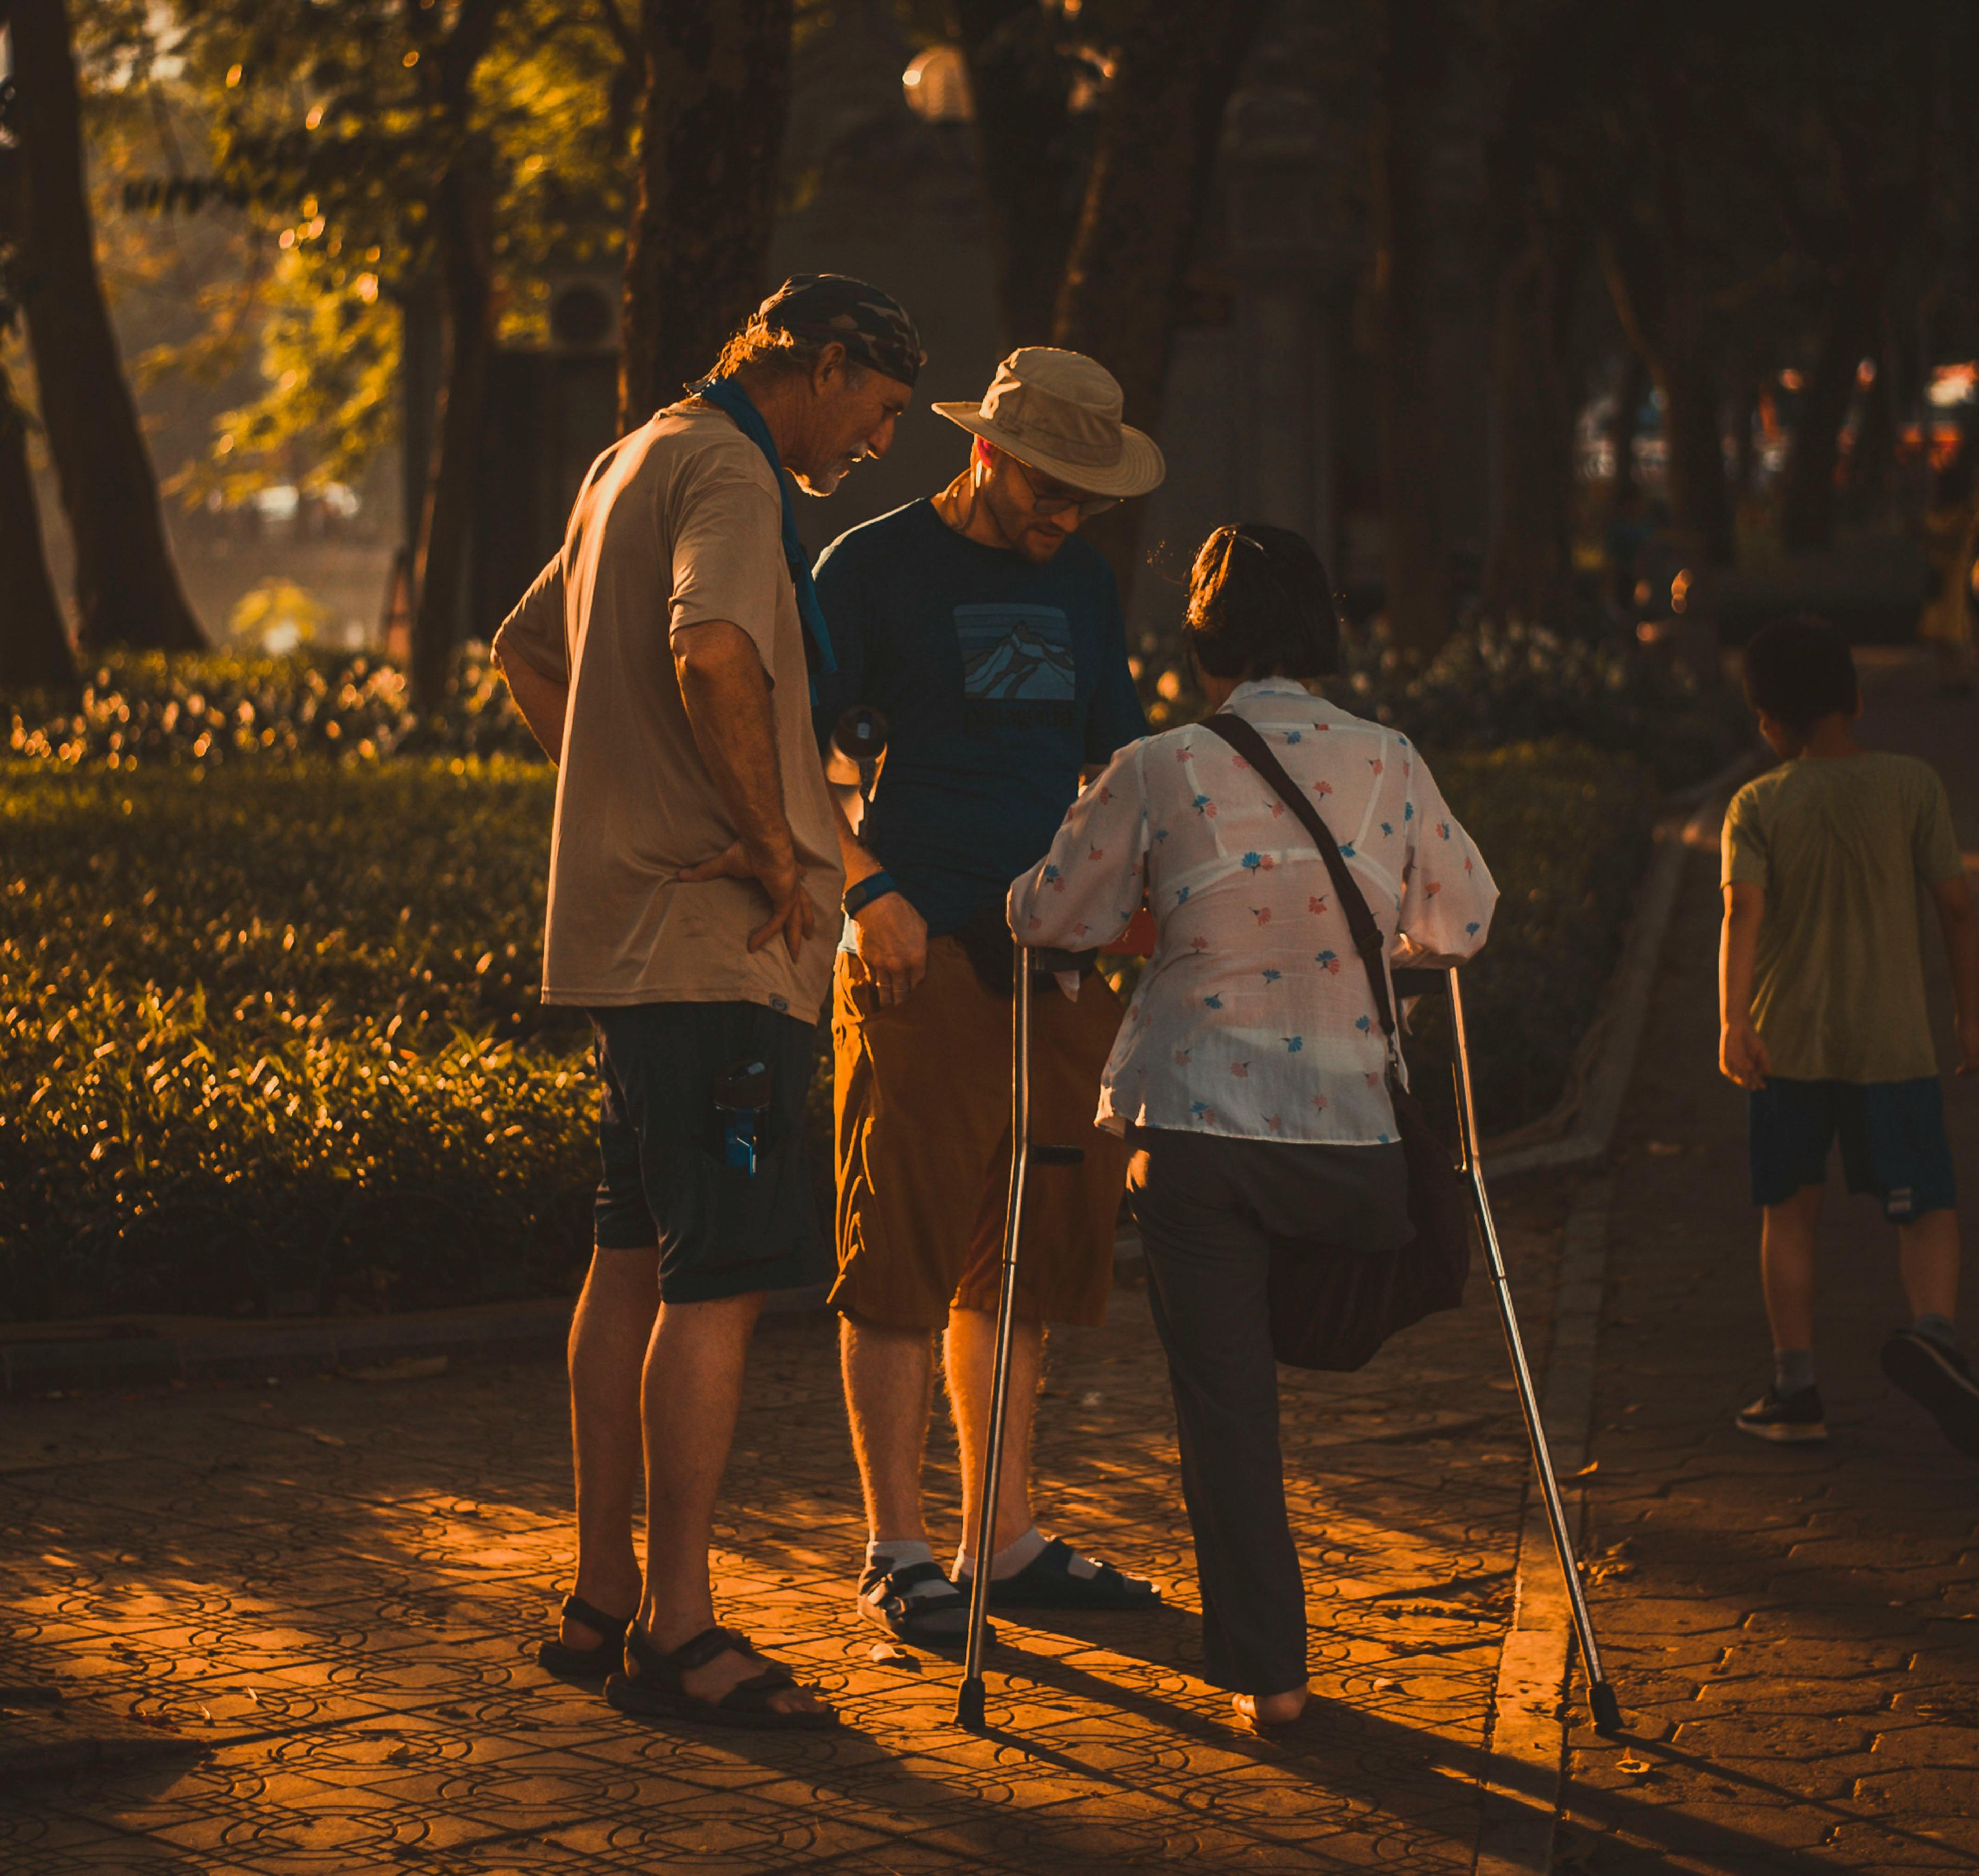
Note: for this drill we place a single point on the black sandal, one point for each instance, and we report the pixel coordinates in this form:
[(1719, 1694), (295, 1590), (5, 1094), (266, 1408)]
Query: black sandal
[(557, 1657), (938, 1621), (1046, 1582), (655, 1685)]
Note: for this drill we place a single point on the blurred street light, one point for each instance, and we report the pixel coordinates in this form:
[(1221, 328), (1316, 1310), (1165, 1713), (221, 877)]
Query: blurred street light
[(936, 85)]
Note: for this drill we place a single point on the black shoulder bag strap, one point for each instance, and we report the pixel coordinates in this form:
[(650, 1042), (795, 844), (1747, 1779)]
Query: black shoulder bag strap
[(1367, 935)]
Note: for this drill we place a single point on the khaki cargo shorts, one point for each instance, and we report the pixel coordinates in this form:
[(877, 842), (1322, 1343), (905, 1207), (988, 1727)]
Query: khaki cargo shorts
[(921, 1096)]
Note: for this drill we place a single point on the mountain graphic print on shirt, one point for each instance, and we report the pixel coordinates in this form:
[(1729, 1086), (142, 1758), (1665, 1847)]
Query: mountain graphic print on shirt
[(1017, 664)]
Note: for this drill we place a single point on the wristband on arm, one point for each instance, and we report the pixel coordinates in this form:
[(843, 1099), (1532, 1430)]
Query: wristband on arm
[(861, 894)]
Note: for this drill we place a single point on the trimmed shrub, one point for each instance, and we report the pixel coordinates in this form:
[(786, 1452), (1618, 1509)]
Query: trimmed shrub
[(1488, 688), (1566, 832), (212, 708), (270, 1041)]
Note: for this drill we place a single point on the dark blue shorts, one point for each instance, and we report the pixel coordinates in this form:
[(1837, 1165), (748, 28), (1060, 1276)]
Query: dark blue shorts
[(1893, 1142), (721, 1232)]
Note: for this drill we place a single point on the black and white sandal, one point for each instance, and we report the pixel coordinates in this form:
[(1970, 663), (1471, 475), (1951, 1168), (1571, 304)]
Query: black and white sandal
[(936, 1619), (557, 1657), (1047, 1581)]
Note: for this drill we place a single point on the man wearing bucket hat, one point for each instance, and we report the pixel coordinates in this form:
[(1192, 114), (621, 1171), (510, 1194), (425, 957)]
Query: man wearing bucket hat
[(989, 636), (663, 659)]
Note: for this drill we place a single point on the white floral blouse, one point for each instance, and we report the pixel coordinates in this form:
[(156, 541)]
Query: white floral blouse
[(1254, 1018)]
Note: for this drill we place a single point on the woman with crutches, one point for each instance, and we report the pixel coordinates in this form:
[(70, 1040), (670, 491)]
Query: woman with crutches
[(1251, 1075)]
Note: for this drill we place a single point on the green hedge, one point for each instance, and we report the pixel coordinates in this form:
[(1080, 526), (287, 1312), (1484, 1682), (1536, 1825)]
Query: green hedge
[(1486, 688), (1491, 688), (265, 1041), (269, 1039), (212, 708), (1566, 831)]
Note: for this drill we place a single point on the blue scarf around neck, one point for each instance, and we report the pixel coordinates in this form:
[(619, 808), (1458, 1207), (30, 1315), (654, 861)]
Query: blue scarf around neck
[(726, 395)]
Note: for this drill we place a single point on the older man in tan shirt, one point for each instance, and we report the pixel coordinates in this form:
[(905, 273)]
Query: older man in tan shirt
[(663, 659)]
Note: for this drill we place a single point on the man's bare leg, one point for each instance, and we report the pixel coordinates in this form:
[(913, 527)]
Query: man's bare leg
[(691, 1396), (889, 1389), (608, 1336), (971, 1351), (970, 1357)]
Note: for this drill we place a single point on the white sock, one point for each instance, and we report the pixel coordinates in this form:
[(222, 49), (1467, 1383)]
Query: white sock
[(1018, 1555)]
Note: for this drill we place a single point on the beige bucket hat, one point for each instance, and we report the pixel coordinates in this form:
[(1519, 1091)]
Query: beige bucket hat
[(1059, 412)]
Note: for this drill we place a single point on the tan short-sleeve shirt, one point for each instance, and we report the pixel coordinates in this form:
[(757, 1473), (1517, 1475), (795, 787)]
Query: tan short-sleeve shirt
[(677, 524), (1840, 847)]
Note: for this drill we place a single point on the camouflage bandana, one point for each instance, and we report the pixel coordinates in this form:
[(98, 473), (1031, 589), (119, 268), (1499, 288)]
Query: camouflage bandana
[(873, 326)]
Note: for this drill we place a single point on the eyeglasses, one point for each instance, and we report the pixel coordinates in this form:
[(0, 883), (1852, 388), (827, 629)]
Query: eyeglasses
[(1055, 498)]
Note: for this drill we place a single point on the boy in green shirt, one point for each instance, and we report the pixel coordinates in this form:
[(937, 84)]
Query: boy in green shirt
[(1821, 1005)]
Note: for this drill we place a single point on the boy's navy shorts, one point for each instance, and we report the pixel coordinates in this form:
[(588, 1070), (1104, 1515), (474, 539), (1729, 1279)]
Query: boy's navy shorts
[(720, 1231), (1893, 1142)]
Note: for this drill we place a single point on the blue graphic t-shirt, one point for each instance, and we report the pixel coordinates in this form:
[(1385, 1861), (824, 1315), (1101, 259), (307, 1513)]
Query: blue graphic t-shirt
[(999, 678)]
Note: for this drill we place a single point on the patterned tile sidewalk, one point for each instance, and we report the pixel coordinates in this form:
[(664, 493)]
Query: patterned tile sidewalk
[(337, 1589)]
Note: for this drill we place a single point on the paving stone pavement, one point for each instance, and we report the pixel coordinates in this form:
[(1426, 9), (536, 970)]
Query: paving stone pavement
[(1795, 1632), (338, 1588)]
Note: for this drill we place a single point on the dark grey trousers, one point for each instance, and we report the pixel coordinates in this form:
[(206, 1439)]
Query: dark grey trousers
[(1208, 1207)]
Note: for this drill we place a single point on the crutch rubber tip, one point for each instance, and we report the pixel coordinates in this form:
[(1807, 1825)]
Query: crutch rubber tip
[(1607, 1709), (969, 1704)]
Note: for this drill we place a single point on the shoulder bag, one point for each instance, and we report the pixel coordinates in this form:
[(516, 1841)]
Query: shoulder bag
[(1333, 1305)]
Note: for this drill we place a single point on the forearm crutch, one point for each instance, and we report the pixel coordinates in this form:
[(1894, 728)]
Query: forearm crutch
[(969, 1696), (1607, 1713)]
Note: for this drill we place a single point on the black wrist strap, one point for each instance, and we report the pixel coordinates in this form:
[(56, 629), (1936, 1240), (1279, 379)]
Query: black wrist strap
[(1366, 935), (862, 893)]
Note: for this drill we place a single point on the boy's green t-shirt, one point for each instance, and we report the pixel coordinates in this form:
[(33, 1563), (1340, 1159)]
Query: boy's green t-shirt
[(1839, 846)]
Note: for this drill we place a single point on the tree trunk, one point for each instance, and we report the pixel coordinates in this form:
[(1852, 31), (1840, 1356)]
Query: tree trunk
[(1700, 496), (34, 654), (463, 219), (127, 589), (1407, 414), (1161, 124), (1622, 432), (1744, 446), (1871, 461), (1528, 565), (1032, 173), (1656, 301), (1807, 507), (717, 77)]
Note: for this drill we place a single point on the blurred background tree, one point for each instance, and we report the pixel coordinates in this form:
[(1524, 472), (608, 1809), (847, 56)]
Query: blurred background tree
[(1530, 313), (33, 641), (126, 587)]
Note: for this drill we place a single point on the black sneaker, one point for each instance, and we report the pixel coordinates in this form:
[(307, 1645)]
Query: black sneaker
[(1939, 1379), (1785, 1417)]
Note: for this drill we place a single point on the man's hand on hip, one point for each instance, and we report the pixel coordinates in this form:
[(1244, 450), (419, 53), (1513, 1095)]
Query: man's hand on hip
[(779, 875), (893, 945)]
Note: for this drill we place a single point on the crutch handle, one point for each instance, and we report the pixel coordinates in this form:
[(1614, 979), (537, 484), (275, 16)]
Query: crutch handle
[(1050, 959), (1420, 983)]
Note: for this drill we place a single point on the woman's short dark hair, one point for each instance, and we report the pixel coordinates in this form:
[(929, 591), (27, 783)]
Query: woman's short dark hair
[(1260, 602), (1799, 670)]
